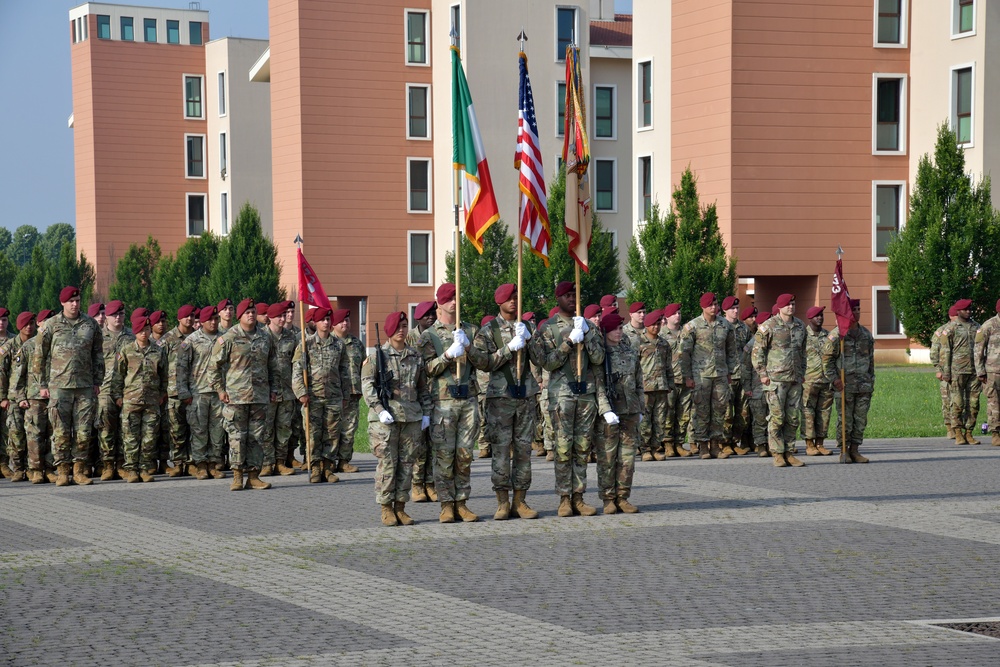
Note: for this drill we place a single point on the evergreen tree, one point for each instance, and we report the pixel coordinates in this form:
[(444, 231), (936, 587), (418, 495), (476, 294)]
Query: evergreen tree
[(948, 248), (55, 237), (5, 238), (27, 291), (23, 242), (134, 275), (68, 270), (183, 279), (649, 255), (246, 264), (8, 273), (482, 274)]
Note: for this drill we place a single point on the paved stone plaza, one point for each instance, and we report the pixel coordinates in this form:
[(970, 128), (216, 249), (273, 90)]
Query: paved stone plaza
[(733, 563)]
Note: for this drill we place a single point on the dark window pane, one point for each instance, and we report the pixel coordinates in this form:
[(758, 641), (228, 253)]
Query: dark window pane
[(194, 32), (149, 27), (966, 16), (418, 112), (103, 26), (889, 21), (561, 109), (605, 185), (646, 167), (886, 217), (196, 162), (173, 32), (887, 135), (886, 322), (419, 258), (128, 34), (604, 113), (196, 215), (646, 87), (192, 95), (418, 185), (416, 37), (566, 31)]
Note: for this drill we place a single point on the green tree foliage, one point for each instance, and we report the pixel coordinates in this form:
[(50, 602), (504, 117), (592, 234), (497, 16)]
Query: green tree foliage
[(481, 274), (246, 264), (55, 237), (948, 248), (27, 291), (68, 270), (183, 279), (5, 238), (24, 241), (134, 275), (8, 273), (649, 253)]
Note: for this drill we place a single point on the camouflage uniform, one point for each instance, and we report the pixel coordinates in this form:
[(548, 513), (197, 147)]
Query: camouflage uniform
[(734, 423), (139, 380), (616, 443), (708, 357), (325, 365), (779, 355), (817, 394), (394, 445), (204, 413), (754, 392), (482, 378), (25, 385), (108, 422), (945, 387), (245, 365), (658, 383), (858, 363), (679, 400), (423, 456), (572, 415), (11, 419), (455, 421), (70, 363), (351, 385), (988, 366), (957, 366), (633, 334), (279, 413), (178, 433), (510, 422)]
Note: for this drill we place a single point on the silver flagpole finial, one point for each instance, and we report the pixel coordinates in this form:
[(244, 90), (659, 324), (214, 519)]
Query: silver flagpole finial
[(298, 240)]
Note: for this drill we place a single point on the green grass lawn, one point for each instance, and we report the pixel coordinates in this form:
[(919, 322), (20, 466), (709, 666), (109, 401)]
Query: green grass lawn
[(361, 437)]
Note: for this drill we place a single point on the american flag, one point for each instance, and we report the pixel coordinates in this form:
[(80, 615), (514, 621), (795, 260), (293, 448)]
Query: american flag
[(528, 161)]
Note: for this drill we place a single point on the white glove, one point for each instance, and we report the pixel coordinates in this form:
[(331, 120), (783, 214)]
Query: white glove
[(515, 344), (576, 336), (640, 417), (581, 324), (385, 417), (520, 329), (611, 418), (456, 350), (460, 336), (425, 423)]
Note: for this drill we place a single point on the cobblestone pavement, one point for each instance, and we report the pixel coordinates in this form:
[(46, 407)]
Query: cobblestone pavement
[(731, 563)]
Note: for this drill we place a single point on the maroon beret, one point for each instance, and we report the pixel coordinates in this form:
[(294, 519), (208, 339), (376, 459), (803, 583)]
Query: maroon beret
[(261, 308), (707, 299), (591, 311), (445, 293), (207, 313), (749, 311), (553, 311), (611, 321), (319, 314), (504, 293), (187, 310), (542, 323), (114, 307), (961, 304), (68, 293), (636, 306), (222, 305), (607, 310), (784, 300), (156, 316), (24, 319), (43, 315), (608, 300), (564, 287), (139, 321), (486, 320), (671, 309), (815, 311), (393, 320), (528, 316), (652, 318), (763, 317), (4, 312), (277, 309), (338, 316), (423, 308), (730, 302), (144, 311), (242, 307), (856, 303), (774, 309), (951, 311), (93, 309)]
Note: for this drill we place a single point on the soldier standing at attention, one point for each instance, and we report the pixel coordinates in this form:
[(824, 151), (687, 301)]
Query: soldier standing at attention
[(658, 381), (16, 452), (620, 400), (945, 387), (745, 445), (572, 397), (735, 423), (394, 429), (592, 313), (176, 405), (756, 403), (779, 357), (244, 371), (262, 318), (633, 328), (109, 421), (510, 402), (139, 388), (204, 413), (958, 368), (5, 338), (226, 311), (280, 413), (858, 362), (422, 487), (988, 370), (70, 364), (482, 378), (94, 467), (354, 349), (679, 400), (25, 385), (817, 394), (708, 360)]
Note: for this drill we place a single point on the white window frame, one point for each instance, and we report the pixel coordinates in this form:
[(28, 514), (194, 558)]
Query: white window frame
[(956, 24), (224, 223), (561, 58), (223, 93), (639, 127), (187, 212), (223, 155), (903, 92), (430, 257), (614, 184), (184, 78), (953, 103), (110, 29), (430, 185), (614, 112), (406, 102), (901, 208), (902, 332), (406, 36), (204, 157), (560, 105), (640, 206), (411, 308), (121, 34), (904, 18)]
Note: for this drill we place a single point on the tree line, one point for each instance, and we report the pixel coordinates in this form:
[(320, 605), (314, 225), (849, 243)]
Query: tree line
[(35, 265)]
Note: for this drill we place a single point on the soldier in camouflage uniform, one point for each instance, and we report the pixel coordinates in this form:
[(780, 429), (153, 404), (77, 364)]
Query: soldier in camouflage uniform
[(754, 392), (158, 321), (958, 367), (318, 371), (450, 359), (482, 378), (633, 329), (422, 486), (351, 385), (734, 423), (708, 361), (748, 316), (620, 401), (280, 413), (108, 423), (204, 413), (679, 400), (510, 393), (94, 461), (4, 338), (226, 309), (779, 357), (70, 364), (26, 388), (139, 388), (394, 429), (817, 394), (16, 453), (658, 382), (572, 406), (858, 363), (176, 425), (945, 387), (244, 371), (988, 370)]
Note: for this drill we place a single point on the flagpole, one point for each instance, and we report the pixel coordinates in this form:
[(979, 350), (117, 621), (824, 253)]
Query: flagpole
[(458, 253), (305, 371), (843, 389), (522, 38)]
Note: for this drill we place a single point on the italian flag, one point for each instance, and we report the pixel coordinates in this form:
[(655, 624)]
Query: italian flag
[(479, 203)]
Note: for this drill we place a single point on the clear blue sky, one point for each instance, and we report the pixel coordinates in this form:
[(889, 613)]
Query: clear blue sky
[(36, 171)]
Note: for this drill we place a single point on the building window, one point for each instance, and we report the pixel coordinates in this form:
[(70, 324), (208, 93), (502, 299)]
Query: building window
[(887, 325), (194, 32), (173, 32), (418, 185), (456, 25), (192, 97), (195, 156), (419, 251), (224, 213), (605, 170), (195, 214), (223, 155), (79, 29), (604, 112), (646, 94), (887, 211), (416, 38), (963, 19), (961, 107), (889, 132), (103, 26), (560, 109), (222, 94), (565, 30), (149, 29), (889, 22), (418, 111), (128, 34), (646, 185)]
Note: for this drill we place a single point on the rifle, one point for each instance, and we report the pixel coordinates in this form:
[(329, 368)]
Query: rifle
[(383, 376), (610, 379)]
